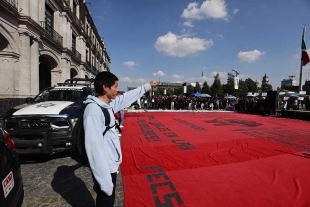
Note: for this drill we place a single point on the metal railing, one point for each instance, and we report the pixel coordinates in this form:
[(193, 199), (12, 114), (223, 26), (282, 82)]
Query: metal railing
[(88, 63), (88, 41), (7, 104), (50, 30), (77, 21), (94, 49), (76, 54), (61, 2), (14, 3)]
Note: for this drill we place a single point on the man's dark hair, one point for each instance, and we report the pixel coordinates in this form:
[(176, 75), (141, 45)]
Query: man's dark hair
[(104, 78)]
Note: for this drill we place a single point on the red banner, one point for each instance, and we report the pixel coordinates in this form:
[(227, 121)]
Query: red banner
[(215, 159)]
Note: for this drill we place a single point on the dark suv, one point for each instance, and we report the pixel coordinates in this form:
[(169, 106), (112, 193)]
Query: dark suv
[(11, 191), (45, 127)]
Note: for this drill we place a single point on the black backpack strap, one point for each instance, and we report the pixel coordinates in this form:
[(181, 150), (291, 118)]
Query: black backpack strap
[(116, 124), (107, 119), (106, 116)]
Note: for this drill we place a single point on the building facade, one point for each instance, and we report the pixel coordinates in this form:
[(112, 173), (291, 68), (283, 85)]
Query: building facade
[(291, 81), (45, 42)]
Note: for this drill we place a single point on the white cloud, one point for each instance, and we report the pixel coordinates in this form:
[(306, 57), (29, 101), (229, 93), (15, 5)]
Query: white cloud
[(159, 73), (223, 75), (126, 79), (236, 11), (216, 9), (178, 81), (219, 35), (201, 80), (297, 56), (141, 80), (250, 56), (133, 80), (175, 76), (130, 64), (188, 24), (181, 46)]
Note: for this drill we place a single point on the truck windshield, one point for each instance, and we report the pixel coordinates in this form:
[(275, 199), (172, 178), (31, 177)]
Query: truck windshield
[(74, 95), (42, 96)]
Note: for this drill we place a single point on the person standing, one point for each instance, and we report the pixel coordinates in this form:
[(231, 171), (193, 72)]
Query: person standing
[(172, 103), (104, 151)]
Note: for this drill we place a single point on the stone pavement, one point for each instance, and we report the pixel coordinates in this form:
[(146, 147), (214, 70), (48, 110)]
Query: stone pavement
[(59, 181)]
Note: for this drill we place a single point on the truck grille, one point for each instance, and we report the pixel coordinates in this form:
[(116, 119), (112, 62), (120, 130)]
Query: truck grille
[(36, 123)]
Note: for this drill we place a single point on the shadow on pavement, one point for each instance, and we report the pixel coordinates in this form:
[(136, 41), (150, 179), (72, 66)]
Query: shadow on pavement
[(38, 158), (71, 187)]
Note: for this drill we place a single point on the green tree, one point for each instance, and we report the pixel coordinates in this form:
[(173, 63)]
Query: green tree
[(266, 87), (216, 87), (229, 87), (251, 85), (206, 88), (160, 91), (242, 89), (178, 91), (169, 91), (190, 89), (197, 87)]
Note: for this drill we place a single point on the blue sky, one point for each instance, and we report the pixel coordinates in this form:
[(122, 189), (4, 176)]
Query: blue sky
[(177, 40)]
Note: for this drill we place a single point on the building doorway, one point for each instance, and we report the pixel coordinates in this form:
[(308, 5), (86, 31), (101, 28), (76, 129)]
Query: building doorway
[(73, 73), (45, 67)]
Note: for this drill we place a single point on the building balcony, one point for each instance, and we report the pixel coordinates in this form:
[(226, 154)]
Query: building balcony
[(61, 2), (55, 35), (11, 2), (94, 49), (94, 68), (101, 59), (88, 41), (88, 64), (77, 21), (98, 54), (76, 54)]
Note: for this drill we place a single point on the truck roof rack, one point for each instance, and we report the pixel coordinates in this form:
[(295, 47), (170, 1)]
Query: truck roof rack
[(77, 82), (79, 79)]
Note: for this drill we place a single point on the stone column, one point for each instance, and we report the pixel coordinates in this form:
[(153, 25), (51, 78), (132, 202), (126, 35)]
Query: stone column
[(24, 81), (34, 10), (24, 5), (34, 67), (16, 77), (5, 76)]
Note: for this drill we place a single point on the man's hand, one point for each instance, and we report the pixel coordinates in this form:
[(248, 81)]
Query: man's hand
[(153, 84)]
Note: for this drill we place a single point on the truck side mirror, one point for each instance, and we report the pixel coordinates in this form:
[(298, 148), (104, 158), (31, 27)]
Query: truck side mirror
[(29, 100)]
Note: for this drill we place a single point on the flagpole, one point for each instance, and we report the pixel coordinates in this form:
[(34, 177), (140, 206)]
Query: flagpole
[(301, 62)]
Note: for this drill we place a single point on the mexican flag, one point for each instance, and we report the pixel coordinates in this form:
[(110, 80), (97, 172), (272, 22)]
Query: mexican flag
[(304, 54)]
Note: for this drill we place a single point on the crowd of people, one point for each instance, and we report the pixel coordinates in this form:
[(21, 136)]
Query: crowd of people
[(246, 104), (183, 103)]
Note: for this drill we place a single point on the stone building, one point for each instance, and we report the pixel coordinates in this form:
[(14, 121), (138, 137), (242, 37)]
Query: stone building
[(265, 79), (45, 42)]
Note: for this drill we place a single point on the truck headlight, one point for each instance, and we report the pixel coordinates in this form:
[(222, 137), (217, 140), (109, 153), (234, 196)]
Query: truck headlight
[(73, 122)]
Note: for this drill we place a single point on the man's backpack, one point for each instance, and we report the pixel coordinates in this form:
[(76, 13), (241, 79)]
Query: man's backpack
[(78, 151)]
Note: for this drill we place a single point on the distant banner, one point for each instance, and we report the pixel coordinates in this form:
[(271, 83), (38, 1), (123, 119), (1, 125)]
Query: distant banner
[(236, 82), (185, 89)]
